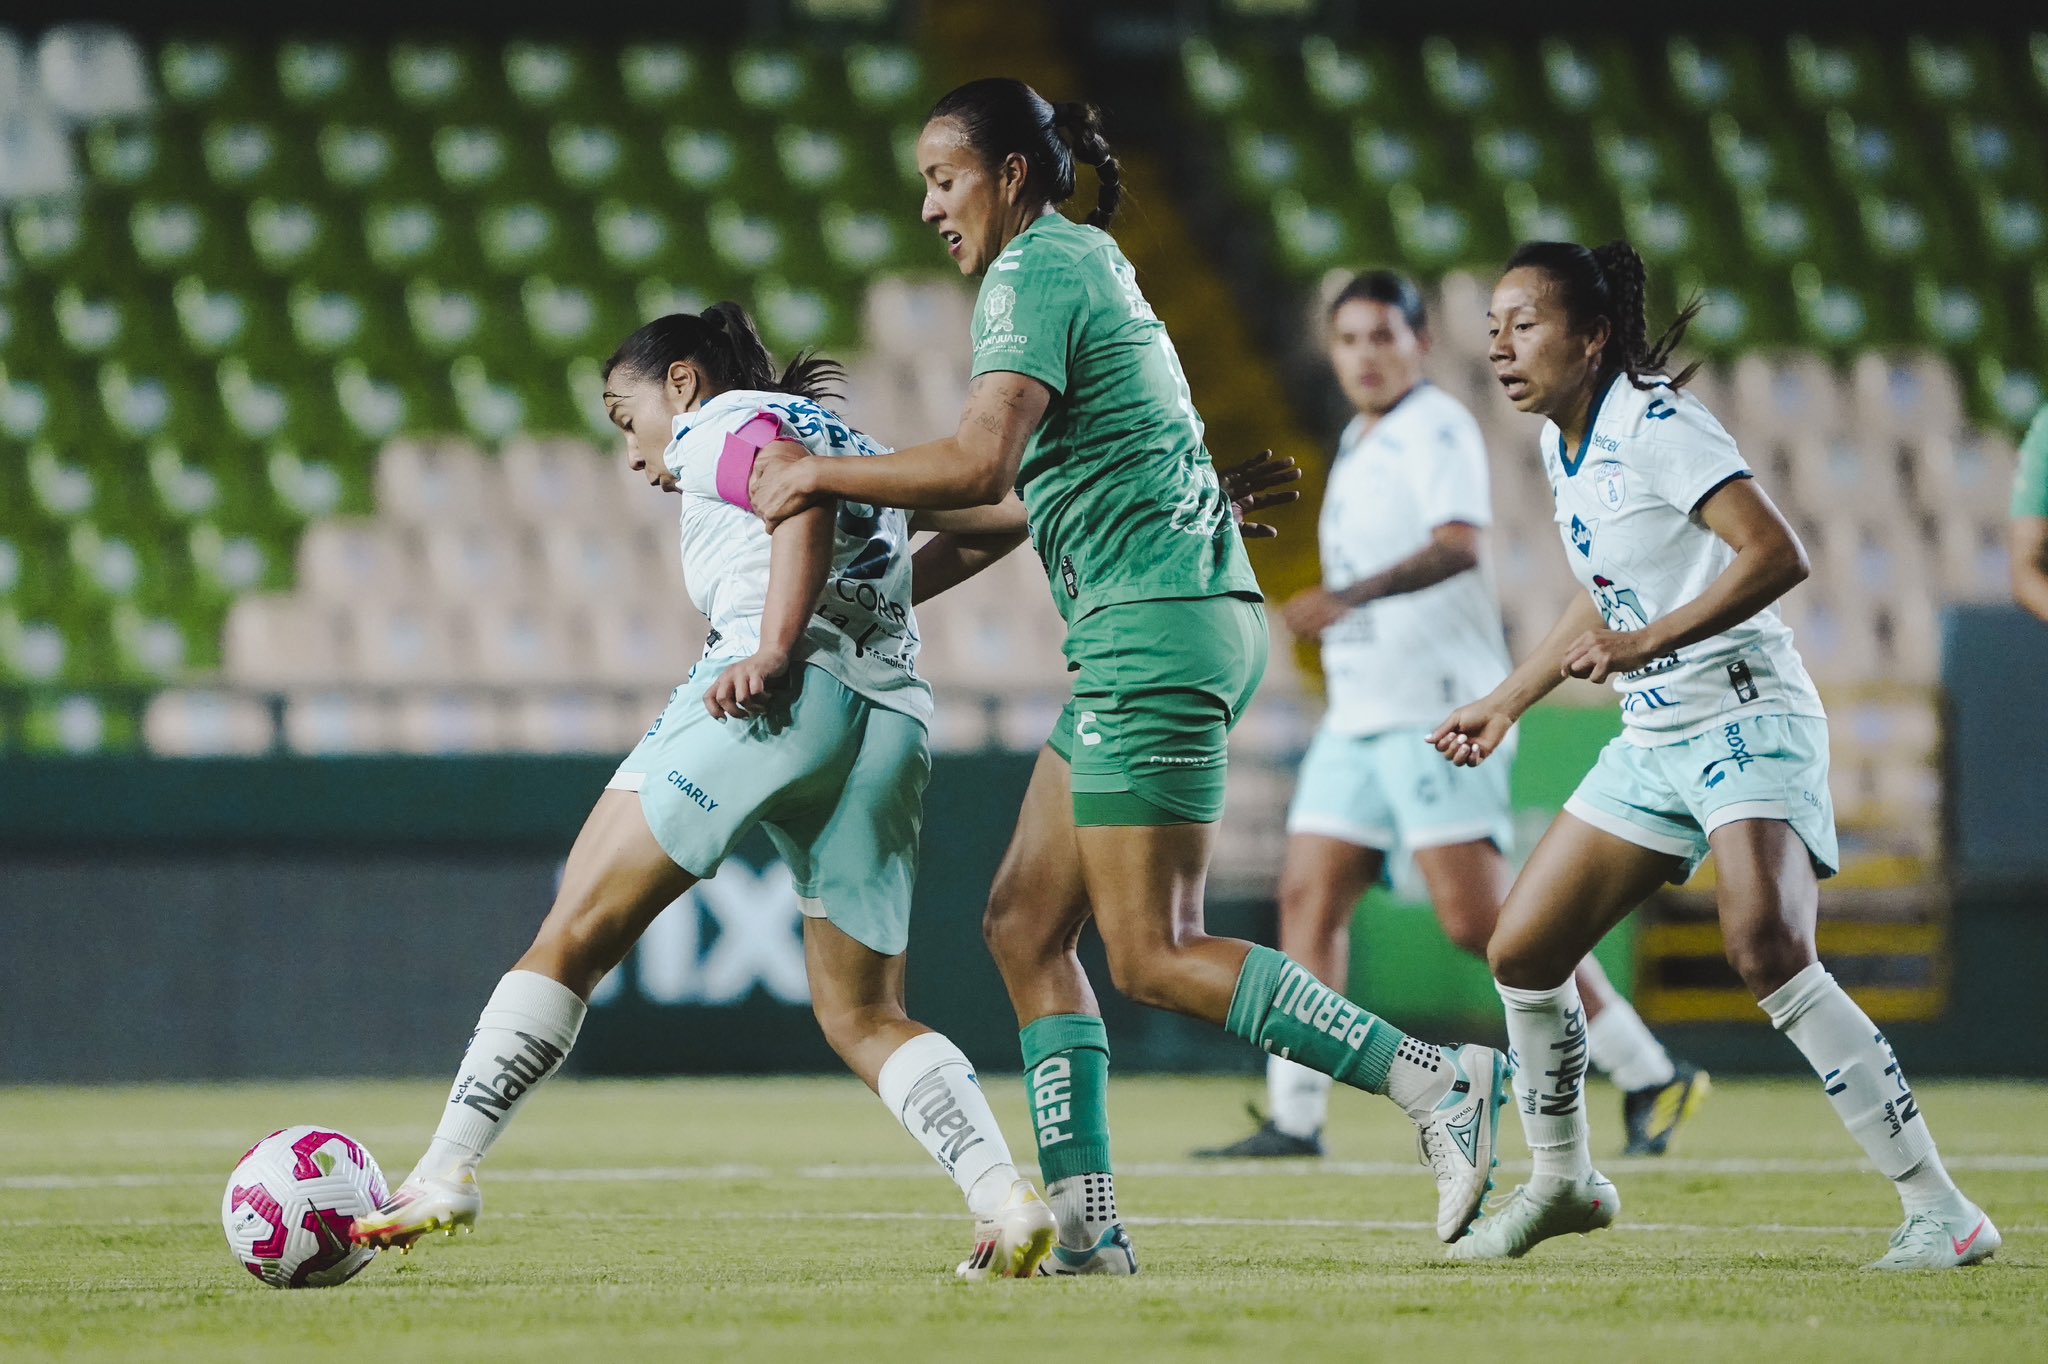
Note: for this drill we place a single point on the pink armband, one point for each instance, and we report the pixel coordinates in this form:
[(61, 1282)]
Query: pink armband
[(736, 461)]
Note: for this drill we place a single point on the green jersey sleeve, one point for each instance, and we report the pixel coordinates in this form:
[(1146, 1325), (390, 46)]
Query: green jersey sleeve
[(1028, 318), (2030, 485)]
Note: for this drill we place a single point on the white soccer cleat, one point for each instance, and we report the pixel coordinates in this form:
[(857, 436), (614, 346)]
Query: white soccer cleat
[(1457, 1142), (1013, 1243), (1931, 1241), (1112, 1255), (423, 1204), (1537, 1211)]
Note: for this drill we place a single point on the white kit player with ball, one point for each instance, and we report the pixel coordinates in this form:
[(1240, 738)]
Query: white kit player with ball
[(807, 719)]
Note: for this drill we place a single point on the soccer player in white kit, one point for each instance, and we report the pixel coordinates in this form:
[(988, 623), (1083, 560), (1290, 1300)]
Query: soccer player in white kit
[(806, 718), (1724, 749), (1409, 624)]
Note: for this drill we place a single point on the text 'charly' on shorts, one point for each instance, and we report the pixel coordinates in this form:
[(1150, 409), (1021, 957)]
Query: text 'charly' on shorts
[(835, 780)]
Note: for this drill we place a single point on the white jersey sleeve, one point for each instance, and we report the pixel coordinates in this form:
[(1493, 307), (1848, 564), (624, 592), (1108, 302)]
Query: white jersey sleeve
[(1453, 484), (1691, 453)]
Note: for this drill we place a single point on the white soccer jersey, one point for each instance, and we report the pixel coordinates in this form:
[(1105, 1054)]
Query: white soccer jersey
[(863, 631), (1625, 510), (1408, 661)]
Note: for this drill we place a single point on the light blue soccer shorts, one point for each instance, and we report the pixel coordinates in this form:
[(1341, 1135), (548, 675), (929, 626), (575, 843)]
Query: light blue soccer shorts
[(1393, 791), (1671, 797), (835, 780)]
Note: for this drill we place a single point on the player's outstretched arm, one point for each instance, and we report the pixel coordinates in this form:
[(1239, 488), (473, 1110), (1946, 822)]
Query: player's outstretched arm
[(1769, 562), (799, 557), (976, 466), (2028, 540), (1472, 733)]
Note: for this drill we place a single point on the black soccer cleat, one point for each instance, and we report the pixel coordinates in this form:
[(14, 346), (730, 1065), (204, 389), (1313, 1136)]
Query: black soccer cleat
[(1652, 1115), (1268, 1142)]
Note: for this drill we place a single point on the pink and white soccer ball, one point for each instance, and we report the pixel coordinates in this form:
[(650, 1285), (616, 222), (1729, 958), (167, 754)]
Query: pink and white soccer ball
[(290, 1204)]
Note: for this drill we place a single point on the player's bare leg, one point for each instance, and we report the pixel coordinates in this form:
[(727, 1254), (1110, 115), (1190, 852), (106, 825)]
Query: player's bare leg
[(1321, 883), (1036, 911), (930, 1087), (1769, 899), (1146, 883), (616, 881)]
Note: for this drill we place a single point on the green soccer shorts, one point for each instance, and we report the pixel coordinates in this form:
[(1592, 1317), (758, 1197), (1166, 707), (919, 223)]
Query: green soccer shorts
[(1160, 685)]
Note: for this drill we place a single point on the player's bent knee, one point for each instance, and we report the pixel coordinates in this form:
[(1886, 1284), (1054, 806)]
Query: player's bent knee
[(1522, 964), (1148, 977), (1767, 955)]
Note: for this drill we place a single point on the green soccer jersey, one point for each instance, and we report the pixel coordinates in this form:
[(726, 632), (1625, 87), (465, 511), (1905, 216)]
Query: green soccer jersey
[(2030, 487), (1124, 503)]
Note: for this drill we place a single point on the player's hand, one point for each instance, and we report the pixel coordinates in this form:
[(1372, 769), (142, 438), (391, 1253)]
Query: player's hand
[(1310, 613), (1600, 654), (1473, 733), (780, 485), (1257, 484), (742, 690)]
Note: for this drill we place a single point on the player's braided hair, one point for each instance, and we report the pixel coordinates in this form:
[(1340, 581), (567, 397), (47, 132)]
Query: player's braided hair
[(1003, 117), (723, 343), (1608, 283)]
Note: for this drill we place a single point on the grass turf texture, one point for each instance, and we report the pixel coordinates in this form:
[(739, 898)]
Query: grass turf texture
[(789, 1218)]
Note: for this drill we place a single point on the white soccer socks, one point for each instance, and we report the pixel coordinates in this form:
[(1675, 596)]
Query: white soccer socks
[(1625, 1050), (929, 1084), (1547, 1047), (1297, 1098), (1864, 1083), (522, 1037)]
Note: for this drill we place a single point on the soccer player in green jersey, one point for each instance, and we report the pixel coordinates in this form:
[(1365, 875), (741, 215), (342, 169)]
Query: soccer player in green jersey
[(2030, 520), (1078, 402)]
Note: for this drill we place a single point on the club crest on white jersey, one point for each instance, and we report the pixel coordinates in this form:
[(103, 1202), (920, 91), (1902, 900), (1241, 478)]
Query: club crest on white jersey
[(1626, 504)]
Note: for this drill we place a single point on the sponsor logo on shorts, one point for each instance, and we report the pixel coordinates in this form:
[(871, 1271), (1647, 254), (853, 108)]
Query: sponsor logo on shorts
[(693, 791), (1085, 731), (1164, 761), (1738, 753)]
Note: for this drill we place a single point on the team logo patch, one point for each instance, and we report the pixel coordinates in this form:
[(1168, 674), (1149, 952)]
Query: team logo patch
[(997, 323), (1582, 538), (1612, 486)]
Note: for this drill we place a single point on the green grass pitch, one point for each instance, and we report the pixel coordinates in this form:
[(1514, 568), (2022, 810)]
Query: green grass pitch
[(789, 1219)]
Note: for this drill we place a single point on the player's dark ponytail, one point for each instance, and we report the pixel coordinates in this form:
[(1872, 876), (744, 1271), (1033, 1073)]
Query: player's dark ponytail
[(1001, 117), (1610, 283), (723, 343), (1082, 125)]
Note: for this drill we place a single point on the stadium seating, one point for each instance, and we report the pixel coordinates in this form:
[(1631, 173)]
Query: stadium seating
[(297, 342)]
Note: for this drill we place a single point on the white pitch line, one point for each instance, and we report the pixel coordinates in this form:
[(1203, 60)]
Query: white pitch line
[(1634, 1168), (1241, 1223)]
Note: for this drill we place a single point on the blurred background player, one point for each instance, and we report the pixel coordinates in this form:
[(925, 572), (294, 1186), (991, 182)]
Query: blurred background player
[(2029, 535), (1724, 749), (806, 721), (1080, 404), (1409, 623)]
